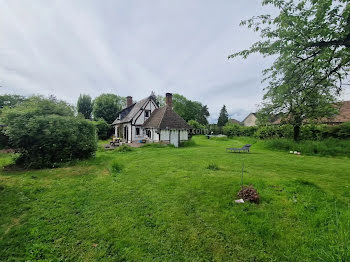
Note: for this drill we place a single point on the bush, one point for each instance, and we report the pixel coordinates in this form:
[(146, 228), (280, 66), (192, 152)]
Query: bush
[(340, 131), (232, 130), (249, 193), (274, 131), (4, 139), (46, 133), (103, 129)]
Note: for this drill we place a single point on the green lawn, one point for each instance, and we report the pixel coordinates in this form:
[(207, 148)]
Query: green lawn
[(166, 205)]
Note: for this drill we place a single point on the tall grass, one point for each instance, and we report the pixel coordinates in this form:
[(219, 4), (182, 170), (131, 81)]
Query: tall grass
[(326, 147)]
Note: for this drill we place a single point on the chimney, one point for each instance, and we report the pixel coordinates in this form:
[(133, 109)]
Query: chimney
[(169, 99), (128, 101)]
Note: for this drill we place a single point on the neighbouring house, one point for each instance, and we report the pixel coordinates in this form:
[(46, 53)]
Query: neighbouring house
[(250, 120), (341, 117), (234, 121), (144, 120)]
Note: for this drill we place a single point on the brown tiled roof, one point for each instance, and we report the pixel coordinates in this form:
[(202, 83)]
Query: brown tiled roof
[(343, 115), (234, 121), (165, 118)]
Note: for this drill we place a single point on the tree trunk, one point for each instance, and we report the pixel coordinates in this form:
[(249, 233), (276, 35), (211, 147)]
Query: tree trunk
[(296, 132)]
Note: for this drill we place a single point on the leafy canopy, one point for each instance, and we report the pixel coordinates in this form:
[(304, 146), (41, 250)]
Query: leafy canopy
[(311, 41), (190, 110), (106, 106), (84, 105)]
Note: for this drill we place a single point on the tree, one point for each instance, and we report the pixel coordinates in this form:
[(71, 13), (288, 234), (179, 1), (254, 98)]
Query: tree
[(311, 40), (190, 110), (84, 105), (11, 100), (223, 117), (46, 133), (106, 106)]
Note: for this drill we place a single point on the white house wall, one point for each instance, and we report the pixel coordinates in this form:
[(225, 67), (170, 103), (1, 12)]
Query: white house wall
[(140, 118), (183, 135), (250, 120)]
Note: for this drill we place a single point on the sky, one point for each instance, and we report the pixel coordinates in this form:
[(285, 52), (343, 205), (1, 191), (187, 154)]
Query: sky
[(134, 47)]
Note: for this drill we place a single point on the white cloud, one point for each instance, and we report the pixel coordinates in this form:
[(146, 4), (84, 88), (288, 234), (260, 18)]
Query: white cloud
[(66, 47)]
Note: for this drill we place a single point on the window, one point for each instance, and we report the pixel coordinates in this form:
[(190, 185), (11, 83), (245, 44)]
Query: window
[(148, 133), (137, 131), (147, 113)]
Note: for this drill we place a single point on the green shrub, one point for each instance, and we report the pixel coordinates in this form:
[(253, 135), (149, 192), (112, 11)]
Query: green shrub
[(4, 139), (340, 131), (274, 131), (116, 167), (196, 125), (103, 129), (232, 130), (313, 132), (46, 133), (213, 167)]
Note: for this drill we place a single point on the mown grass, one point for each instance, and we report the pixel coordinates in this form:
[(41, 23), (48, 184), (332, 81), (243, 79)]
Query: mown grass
[(164, 204)]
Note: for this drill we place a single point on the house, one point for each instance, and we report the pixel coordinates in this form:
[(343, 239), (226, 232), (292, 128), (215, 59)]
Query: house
[(234, 121), (145, 120), (250, 120), (343, 116)]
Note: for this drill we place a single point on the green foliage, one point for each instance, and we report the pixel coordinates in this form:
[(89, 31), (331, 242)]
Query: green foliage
[(106, 106), (232, 130), (311, 41), (11, 100), (47, 134), (84, 106), (223, 117), (190, 110), (196, 125), (274, 131), (326, 147), (4, 139), (156, 145), (340, 131), (213, 167), (104, 130)]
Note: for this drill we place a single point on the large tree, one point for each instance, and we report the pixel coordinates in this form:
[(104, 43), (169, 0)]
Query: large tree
[(106, 106), (190, 110), (11, 100), (311, 41), (84, 105), (223, 117)]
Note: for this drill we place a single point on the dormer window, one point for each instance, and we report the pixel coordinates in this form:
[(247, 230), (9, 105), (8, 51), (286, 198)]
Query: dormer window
[(118, 117), (147, 113)]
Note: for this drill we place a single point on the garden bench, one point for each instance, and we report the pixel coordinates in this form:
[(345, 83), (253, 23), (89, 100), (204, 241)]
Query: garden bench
[(245, 148)]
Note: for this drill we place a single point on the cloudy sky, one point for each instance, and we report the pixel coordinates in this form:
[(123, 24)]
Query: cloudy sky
[(66, 47)]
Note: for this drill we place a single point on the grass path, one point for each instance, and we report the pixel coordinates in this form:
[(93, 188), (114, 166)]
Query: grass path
[(165, 205)]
